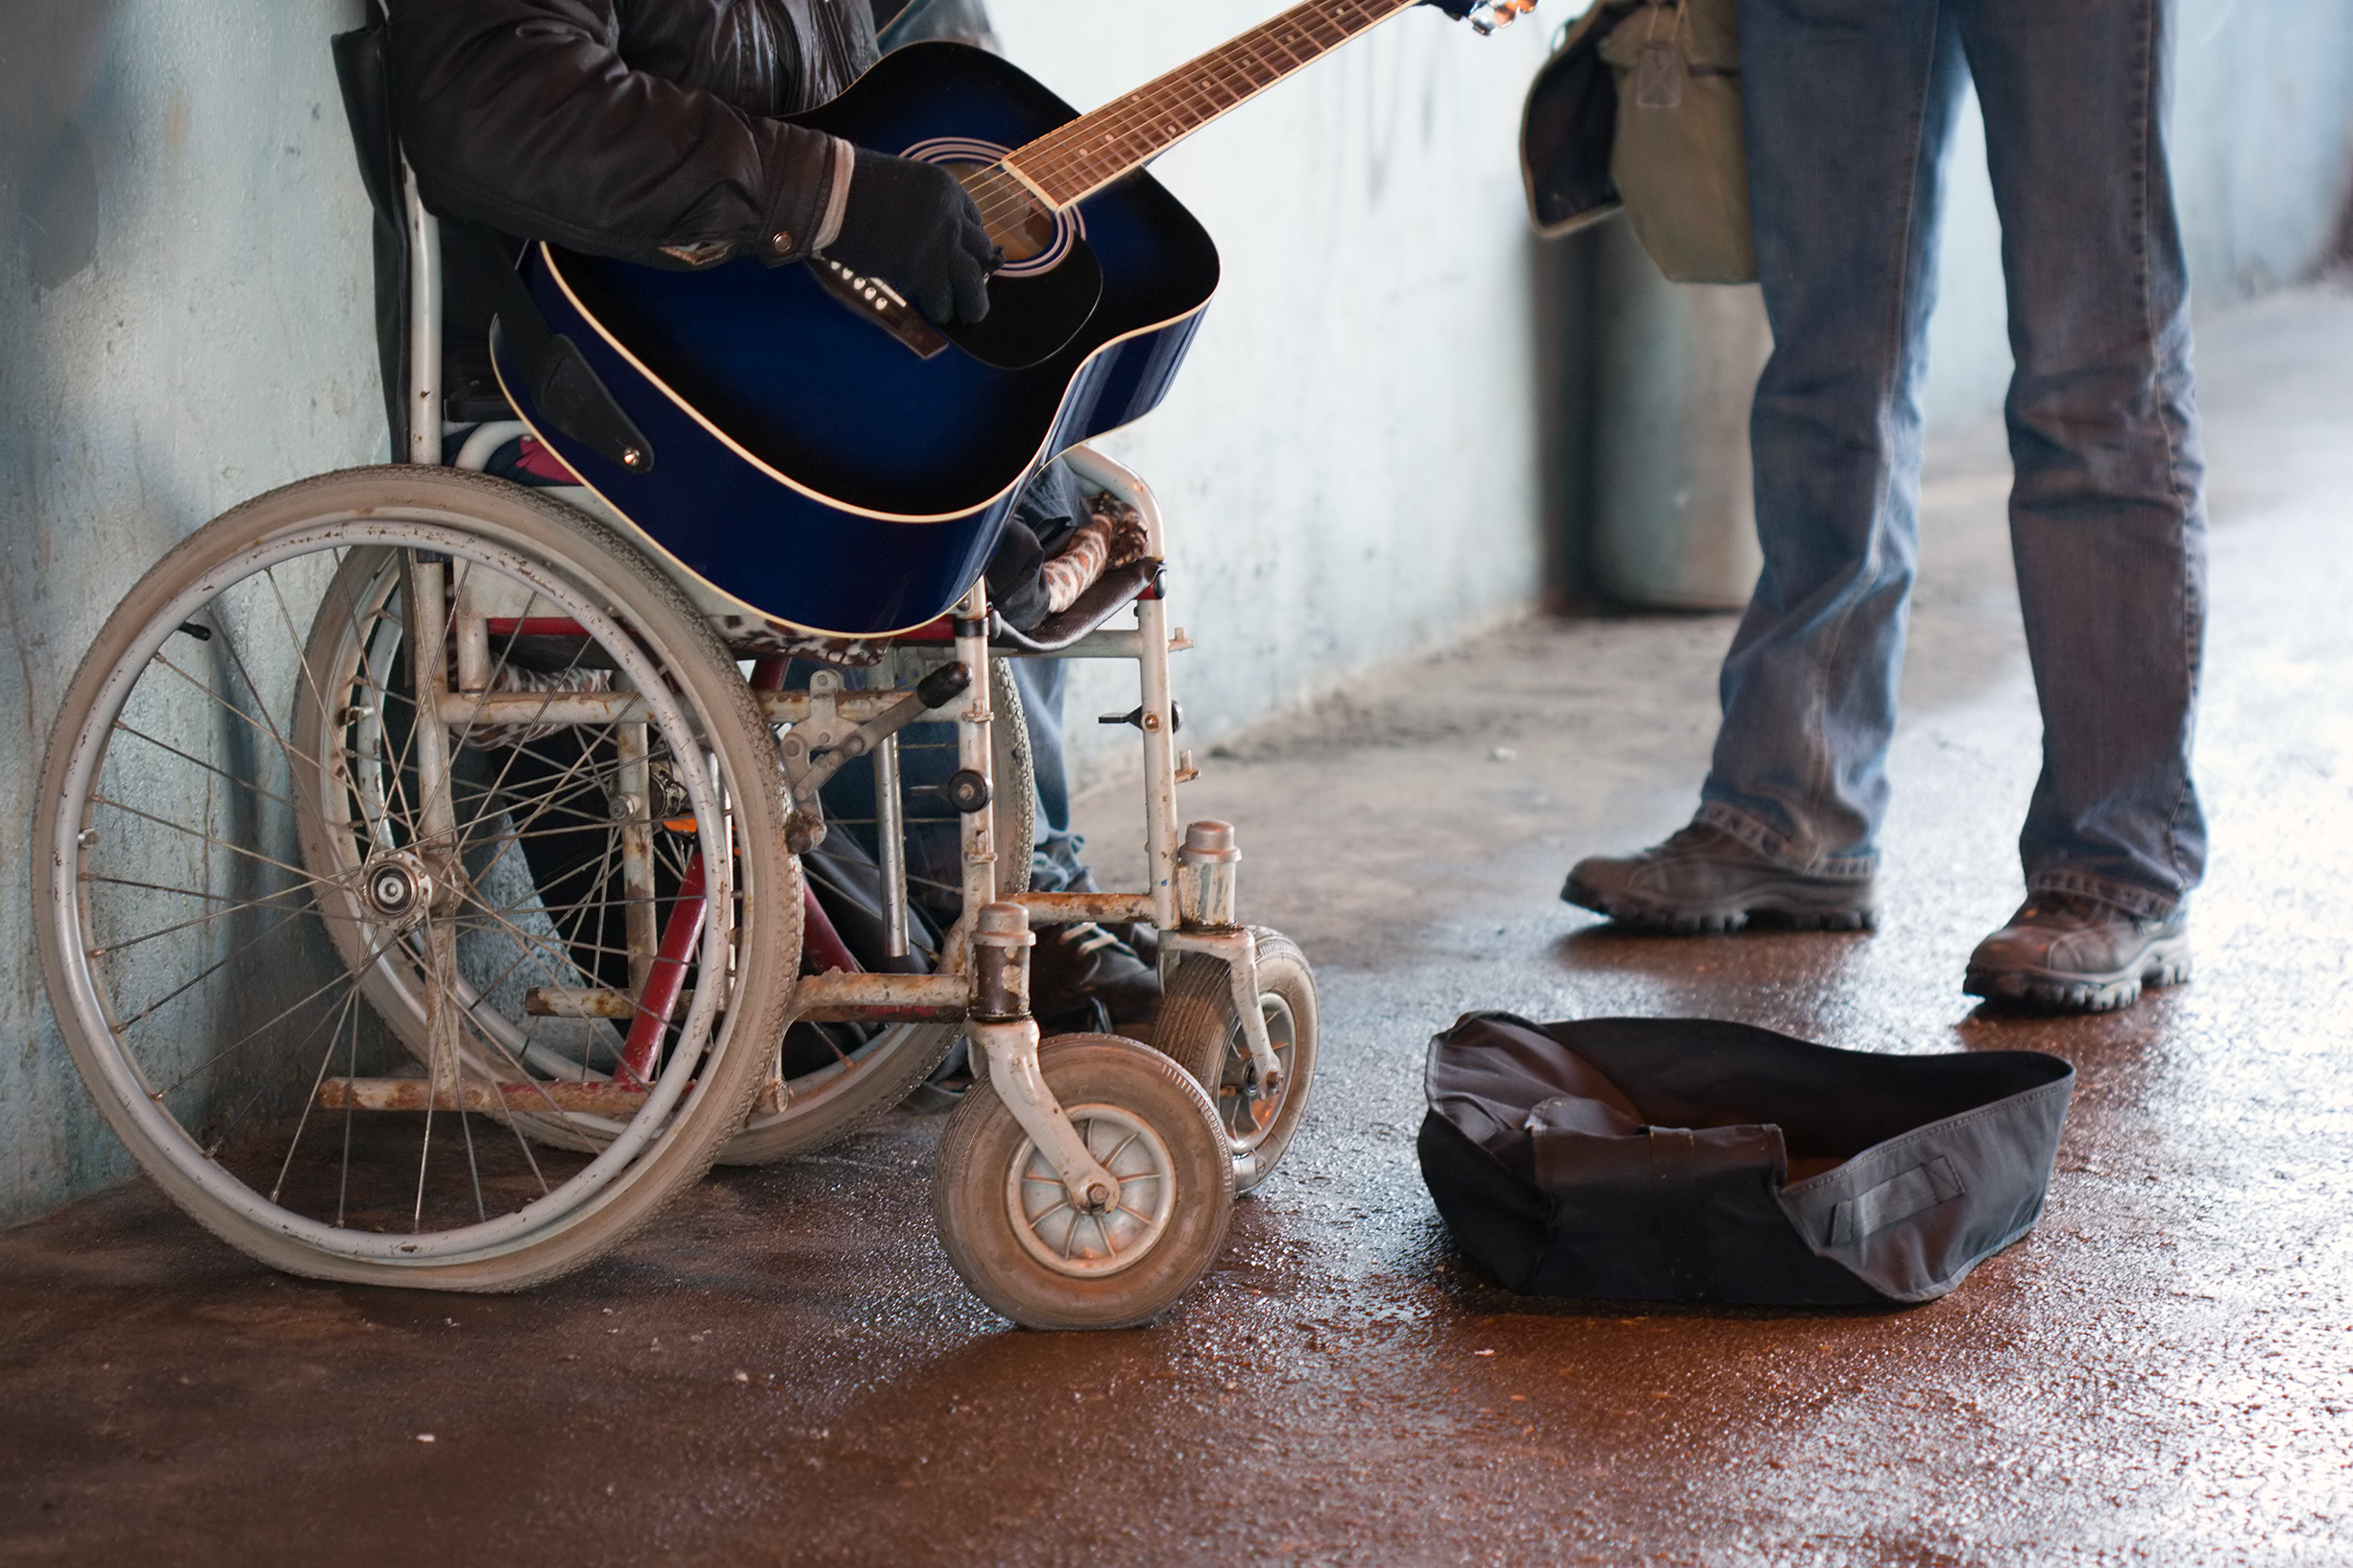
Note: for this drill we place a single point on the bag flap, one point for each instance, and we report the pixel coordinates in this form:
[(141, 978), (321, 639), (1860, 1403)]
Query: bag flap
[(1911, 1217), (1568, 126), (1491, 1074)]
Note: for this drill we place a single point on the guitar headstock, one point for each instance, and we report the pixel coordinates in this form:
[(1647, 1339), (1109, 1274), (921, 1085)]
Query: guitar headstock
[(1484, 16)]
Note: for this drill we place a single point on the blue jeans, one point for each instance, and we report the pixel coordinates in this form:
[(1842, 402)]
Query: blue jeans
[(1054, 865), (1849, 105)]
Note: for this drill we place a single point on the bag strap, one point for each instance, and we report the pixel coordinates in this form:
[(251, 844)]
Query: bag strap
[(1897, 1198)]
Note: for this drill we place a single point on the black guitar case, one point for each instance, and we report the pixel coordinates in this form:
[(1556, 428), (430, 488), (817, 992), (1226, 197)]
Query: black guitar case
[(1688, 1160)]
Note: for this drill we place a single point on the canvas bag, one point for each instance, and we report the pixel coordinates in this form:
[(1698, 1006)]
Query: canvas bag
[(1639, 107), (1687, 1159), (1681, 154)]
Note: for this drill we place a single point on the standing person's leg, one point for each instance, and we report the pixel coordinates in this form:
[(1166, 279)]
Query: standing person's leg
[(2106, 522), (1849, 105)]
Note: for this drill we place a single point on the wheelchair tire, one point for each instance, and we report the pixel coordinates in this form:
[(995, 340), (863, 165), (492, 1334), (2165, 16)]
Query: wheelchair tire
[(1197, 1028), (1009, 1227), (249, 890)]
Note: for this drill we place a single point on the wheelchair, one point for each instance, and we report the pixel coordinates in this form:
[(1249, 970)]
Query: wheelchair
[(422, 863)]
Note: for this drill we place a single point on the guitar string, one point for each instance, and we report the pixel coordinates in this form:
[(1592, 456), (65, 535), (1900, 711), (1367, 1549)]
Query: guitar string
[(1103, 150), (1105, 141), (1097, 146), (1181, 92), (1072, 168)]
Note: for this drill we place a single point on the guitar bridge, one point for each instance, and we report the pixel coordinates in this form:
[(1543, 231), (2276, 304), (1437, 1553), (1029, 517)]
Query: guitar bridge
[(880, 303)]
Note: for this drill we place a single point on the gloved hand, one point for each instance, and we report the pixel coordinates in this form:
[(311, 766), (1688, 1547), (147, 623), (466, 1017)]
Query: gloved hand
[(912, 225)]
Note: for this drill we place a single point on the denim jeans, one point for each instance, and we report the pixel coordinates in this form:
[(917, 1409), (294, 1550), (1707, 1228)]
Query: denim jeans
[(1849, 105)]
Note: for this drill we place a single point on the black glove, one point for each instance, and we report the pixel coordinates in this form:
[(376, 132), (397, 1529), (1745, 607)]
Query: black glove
[(912, 225)]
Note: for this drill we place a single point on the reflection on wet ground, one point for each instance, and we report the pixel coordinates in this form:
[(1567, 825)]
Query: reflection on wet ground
[(788, 1370)]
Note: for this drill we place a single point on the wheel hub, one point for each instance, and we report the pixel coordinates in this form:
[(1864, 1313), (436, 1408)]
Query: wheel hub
[(1247, 1103), (1109, 1231), (396, 885)]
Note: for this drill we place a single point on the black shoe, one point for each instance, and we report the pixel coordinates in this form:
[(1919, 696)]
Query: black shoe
[(2070, 954), (1704, 879), (1082, 975)]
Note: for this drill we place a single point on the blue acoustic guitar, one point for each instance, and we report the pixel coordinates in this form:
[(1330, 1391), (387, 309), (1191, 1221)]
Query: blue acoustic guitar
[(806, 443)]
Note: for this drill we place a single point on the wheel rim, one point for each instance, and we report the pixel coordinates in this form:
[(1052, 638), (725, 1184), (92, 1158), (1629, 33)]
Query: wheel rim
[(1092, 1243), (1247, 1112), (160, 909)]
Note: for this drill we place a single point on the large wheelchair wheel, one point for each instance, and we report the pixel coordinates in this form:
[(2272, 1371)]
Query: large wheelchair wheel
[(339, 962), (1197, 1026)]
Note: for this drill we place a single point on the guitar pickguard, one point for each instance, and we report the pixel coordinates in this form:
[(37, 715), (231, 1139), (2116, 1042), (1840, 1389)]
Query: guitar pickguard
[(1032, 318)]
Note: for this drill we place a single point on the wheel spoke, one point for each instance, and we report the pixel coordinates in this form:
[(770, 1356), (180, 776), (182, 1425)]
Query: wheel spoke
[(214, 768), (252, 1035), (213, 839), (327, 1059)]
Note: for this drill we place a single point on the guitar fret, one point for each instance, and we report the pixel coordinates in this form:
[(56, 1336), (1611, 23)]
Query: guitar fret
[(1067, 163), (1295, 28), (1268, 39), (1341, 34)]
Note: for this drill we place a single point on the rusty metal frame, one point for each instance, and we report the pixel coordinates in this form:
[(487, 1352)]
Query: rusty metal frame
[(1177, 901)]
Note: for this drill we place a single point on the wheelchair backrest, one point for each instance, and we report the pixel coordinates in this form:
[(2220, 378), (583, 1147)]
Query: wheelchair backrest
[(405, 241)]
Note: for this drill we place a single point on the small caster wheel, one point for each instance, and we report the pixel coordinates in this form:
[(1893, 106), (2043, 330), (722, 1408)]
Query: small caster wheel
[(1197, 1028), (1010, 1229)]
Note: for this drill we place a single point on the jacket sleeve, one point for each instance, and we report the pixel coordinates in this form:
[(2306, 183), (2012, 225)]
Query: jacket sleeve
[(522, 114)]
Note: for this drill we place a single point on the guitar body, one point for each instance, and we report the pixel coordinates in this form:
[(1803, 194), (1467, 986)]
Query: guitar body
[(807, 464)]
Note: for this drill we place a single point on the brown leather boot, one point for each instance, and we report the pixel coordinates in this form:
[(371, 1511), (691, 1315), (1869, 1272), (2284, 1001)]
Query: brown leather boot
[(2067, 952), (1704, 879)]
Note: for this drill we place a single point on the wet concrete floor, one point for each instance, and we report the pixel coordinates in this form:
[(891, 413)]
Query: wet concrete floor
[(2162, 1373)]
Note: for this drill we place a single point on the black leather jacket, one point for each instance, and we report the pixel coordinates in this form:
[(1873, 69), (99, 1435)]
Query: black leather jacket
[(640, 129)]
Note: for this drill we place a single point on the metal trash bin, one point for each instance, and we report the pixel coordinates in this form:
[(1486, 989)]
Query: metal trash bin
[(1674, 522)]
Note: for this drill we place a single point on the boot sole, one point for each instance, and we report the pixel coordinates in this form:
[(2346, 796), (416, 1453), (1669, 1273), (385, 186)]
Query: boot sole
[(2040, 990), (1782, 910)]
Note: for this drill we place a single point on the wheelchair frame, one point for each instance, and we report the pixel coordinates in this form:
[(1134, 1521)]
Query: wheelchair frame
[(1191, 898), (364, 853)]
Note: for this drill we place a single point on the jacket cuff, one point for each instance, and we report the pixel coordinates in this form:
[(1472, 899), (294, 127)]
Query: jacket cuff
[(836, 195), (807, 191)]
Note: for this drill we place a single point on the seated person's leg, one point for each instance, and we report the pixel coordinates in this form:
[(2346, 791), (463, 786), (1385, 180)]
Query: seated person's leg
[(1074, 967)]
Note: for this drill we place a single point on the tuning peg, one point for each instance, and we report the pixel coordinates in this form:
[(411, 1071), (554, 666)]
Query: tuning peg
[(1491, 15)]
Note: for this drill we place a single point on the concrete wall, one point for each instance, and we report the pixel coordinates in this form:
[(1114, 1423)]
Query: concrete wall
[(1346, 458), (182, 324)]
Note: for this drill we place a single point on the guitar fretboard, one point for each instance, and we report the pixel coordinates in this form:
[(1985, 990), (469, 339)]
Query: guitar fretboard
[(1072, 162)]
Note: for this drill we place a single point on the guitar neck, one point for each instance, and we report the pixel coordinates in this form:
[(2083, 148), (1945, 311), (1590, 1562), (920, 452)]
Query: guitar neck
[(1072, 162)]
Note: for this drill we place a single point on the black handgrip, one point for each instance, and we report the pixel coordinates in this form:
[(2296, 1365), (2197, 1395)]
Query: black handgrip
[(943, 685)]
